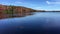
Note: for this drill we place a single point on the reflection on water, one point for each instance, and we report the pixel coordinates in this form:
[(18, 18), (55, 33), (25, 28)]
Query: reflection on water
[(40, 22), (3, 16)]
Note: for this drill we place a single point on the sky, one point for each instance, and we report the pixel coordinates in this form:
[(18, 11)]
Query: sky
[(34, 4)]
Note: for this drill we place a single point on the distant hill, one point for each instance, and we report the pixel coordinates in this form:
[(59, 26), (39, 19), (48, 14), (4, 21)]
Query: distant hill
[(11, 11)]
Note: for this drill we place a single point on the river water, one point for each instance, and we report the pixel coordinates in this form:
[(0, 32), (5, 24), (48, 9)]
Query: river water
[(39, 22)]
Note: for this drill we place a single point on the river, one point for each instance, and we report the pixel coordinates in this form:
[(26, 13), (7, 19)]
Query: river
[(38, 23)]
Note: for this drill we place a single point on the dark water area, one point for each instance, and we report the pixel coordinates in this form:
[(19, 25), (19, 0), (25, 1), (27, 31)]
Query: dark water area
[(38, 23)]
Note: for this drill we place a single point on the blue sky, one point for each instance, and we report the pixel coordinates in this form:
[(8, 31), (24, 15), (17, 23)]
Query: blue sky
[(34, 4)]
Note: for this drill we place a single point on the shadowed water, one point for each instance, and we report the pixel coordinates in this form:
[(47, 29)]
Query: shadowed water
[(39, 23)]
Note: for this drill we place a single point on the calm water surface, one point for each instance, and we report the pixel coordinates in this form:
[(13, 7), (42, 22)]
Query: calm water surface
[(37, 23)]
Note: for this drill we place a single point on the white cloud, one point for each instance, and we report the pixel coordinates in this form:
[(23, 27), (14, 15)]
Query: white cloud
[(38, 8), (24, 3), (47, 2), (19, 2), (55, 2), (5, 3)]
